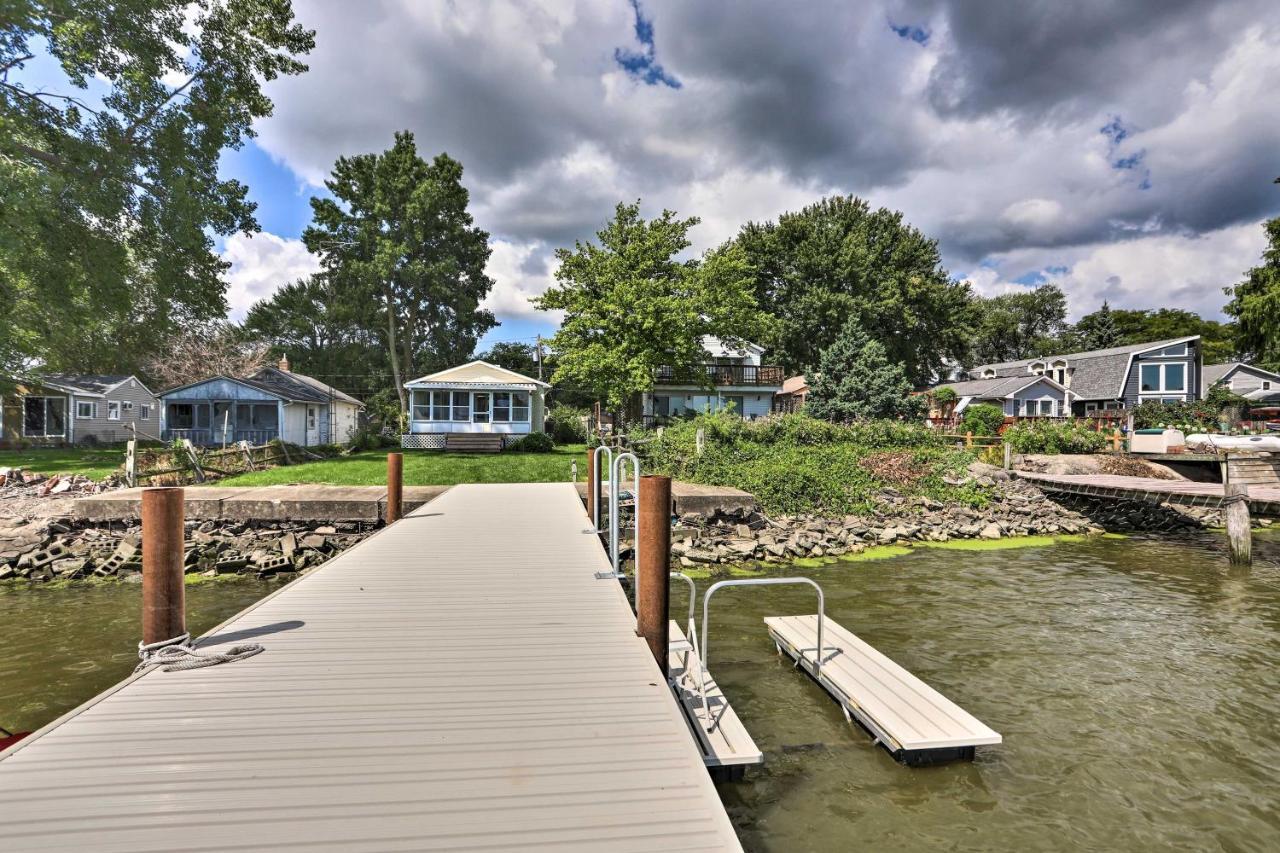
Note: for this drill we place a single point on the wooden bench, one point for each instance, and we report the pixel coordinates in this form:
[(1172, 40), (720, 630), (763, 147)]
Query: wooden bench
[(473, 442)]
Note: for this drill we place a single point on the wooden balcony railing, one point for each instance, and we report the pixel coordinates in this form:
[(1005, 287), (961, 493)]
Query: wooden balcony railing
[(720, 374)]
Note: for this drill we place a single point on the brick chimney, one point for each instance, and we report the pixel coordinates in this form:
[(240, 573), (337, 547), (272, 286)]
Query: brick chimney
[(284, 363)]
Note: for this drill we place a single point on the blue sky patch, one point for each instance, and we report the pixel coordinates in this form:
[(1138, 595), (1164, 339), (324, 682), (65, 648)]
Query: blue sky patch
[(643, 64), (910, 32)]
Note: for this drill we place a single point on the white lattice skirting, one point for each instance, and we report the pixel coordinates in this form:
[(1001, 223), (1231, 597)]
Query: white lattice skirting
[(422, 441)]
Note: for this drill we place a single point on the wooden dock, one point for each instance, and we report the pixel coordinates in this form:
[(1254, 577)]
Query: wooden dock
[(1263, 500), (916, 723), (459, 680)]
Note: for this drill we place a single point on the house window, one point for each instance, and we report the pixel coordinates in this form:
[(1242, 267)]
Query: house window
[(44, 417), (501, 407), (311, 417), (86, 410), (461, 406), (1158, 378), (440, 406), (421, 408), (113, 410), (1180, 349), (144, 412), (1266, 385), (520, 407), (661, 406), (128, 405)]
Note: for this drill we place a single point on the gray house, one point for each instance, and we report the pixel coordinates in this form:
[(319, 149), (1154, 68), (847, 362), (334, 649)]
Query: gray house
[(272, 403), (79, 409), (1017, 396), (1246, 380), (1111, 379)]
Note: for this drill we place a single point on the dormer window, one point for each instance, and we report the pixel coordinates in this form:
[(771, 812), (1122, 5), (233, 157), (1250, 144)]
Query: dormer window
[(989, 373), (1037, 367)]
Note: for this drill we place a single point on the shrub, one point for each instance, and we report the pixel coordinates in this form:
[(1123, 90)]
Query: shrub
[(982, 419), (1197, 415), (1054, 437), (567, 424), (534, 442)]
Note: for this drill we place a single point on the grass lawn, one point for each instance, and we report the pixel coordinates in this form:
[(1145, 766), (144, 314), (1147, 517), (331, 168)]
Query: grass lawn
[(93, 463), (425, 468)]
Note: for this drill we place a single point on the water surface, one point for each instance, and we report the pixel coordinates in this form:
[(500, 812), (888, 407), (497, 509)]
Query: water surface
[(1136, 684)]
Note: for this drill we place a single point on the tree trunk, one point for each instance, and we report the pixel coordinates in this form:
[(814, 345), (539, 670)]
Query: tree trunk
[(392, 351)]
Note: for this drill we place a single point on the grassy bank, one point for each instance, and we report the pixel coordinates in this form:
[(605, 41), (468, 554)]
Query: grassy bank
[(424, 468), (96, 464), (796, 464)]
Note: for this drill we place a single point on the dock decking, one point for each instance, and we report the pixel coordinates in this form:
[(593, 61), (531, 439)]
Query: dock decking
[(912, 720), (458, 681), (1263, 500)]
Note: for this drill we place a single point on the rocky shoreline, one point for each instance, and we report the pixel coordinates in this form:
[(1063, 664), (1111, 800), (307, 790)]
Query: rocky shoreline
[(62, 549), (1016, 509)]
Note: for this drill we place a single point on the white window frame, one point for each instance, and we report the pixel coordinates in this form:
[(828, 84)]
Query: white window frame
[(126, 405), (1163, 390), (461, 413), (113, 410), (502, 405), (312, 418), (144, 412), (517, 408), (1266, 385), (93, 410)]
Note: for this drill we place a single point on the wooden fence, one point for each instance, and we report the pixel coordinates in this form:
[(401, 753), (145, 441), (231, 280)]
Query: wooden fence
[(184, 463)]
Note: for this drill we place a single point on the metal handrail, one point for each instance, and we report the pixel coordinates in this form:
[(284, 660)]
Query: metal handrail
[(615, 480), (595, 458), (706, 603), (691, 631)]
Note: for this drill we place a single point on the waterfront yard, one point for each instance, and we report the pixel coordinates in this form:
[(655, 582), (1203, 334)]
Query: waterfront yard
[(425, 468), (94, 463)]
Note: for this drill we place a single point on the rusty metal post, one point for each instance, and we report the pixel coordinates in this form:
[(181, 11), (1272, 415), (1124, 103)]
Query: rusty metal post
[(593, 484), (653, 564), (395, 486), (164, 614)]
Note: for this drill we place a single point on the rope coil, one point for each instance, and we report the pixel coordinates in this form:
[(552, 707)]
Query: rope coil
[(177, 654)]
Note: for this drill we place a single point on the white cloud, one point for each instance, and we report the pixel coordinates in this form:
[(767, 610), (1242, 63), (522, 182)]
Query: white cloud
[(520, 272), (260, 264)]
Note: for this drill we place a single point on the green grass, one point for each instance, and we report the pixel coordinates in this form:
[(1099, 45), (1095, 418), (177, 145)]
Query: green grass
[(93, 463), (425, 468)]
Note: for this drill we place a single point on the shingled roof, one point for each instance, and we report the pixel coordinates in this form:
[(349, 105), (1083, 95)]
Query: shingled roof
[(1096, 374), (86, 383), (296, 386), (998, 388)]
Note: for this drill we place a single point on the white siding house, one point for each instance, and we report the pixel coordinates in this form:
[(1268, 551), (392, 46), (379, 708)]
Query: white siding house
[(727, 377), (477, 397)]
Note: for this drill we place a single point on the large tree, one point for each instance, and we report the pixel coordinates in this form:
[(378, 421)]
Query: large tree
[(838, 260), (1097, 330), (632, 306), (1018, 325), (112, 120), (315, 324), (397, 238), (856, 379), (1255, 304), (1137, 326)]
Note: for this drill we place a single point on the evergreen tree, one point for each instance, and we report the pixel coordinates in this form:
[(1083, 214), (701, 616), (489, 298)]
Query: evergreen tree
[(1255, 303), (1098, 330), (856, 379)]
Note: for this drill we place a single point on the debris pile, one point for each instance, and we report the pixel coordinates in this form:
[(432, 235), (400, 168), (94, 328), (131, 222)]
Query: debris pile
[(17, 482), (62, 549)]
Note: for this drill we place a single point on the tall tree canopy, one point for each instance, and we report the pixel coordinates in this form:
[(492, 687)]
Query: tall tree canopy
[(1018, 325), (397, 238), (1255, 304), (112, 120), (838, 260), (630, 306), (1097, 330), (315, 324), (856, 379), (1137, 326)]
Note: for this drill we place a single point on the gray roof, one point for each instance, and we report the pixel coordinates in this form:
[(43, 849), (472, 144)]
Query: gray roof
[(88, 383), (1096, 374), (992, 388), (1214, 373), (296, 386)]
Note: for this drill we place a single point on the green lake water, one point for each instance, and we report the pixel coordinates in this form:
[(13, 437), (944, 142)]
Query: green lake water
[(1136, 684)]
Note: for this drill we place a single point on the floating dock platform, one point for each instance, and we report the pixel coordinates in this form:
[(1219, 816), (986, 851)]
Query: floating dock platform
[(917, 724)]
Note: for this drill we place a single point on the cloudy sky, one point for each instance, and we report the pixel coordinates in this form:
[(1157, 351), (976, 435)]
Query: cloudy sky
[(1123, 150)]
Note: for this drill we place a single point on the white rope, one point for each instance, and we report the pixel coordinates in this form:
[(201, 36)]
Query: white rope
[(175, 654)]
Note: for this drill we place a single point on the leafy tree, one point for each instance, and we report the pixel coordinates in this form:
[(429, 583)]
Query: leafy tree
[(856, 379), (1255, 303), (1011, 326), (313, 323), (397, 239), (630, 306), (838, 260), (522, 358), (1097, 330), (1138, 326), (982, 419), (109, 170)]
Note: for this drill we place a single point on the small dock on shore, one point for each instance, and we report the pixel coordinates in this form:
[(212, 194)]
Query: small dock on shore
[(460, 680), (1263, 500)]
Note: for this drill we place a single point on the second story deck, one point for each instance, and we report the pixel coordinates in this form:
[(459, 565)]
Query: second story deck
[(719, 375)]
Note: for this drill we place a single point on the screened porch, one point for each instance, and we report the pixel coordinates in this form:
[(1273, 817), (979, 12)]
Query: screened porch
[(210, 422)]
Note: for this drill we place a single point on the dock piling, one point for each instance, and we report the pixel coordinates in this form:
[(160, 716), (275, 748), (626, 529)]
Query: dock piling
[(395, 486), (653, 565), (1235, 507), (163, 594)]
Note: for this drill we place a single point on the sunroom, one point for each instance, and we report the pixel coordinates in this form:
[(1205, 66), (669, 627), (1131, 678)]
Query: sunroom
[(476, 397)]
